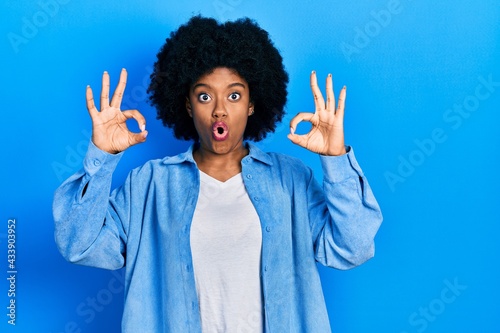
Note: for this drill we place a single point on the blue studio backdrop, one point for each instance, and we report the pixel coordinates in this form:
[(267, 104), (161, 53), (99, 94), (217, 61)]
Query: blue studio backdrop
[(423, 102)]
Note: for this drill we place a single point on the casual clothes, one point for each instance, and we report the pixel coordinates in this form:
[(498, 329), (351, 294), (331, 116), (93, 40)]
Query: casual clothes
[(145, 226)]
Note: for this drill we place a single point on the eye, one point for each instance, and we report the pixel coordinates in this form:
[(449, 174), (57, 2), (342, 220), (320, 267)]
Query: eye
[(203, 97), (234, 96)]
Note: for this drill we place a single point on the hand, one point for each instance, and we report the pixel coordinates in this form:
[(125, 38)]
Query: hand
[(109, 130), (326, 136)]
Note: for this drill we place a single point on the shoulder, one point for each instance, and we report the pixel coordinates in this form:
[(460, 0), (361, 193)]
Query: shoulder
[(287, 160), (281, 163), (153, 167)]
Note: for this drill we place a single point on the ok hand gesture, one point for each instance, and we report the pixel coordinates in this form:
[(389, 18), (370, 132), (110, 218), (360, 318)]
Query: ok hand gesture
[(326, 136), (109, 130)]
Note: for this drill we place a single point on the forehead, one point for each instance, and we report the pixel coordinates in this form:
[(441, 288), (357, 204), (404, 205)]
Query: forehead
[(220, 77)]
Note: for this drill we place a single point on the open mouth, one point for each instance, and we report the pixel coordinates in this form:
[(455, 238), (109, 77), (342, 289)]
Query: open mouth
[(220, 131)]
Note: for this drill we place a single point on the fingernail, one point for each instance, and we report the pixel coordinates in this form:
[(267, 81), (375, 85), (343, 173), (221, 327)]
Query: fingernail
[(105, 72), (313, 72), (329, 75), (143, 127), (145, 135), (292, 131)]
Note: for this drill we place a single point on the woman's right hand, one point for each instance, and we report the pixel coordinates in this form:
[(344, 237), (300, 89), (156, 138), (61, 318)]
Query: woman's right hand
[(109, 130)]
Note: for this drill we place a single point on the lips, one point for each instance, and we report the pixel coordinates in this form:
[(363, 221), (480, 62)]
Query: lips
[(220, 131)]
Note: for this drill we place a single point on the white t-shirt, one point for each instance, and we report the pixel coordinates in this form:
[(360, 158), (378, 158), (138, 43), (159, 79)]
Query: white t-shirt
[(226, 243)]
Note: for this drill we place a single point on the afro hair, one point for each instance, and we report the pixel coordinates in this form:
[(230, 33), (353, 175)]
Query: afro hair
[(200, 46)]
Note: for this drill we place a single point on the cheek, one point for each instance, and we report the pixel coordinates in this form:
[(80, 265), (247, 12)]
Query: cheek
[(201, 120), (200, 111)]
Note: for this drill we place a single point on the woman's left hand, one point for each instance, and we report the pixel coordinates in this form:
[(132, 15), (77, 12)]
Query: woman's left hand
[(326, 136)]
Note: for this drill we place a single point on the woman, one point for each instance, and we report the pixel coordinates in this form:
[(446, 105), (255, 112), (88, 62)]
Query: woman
[(223, 237)]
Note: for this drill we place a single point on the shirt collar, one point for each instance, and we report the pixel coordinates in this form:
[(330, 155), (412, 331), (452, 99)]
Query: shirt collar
[(255, 153)]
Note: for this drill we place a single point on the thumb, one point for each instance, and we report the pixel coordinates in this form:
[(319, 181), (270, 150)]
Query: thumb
[(136, 138), (298, 139)]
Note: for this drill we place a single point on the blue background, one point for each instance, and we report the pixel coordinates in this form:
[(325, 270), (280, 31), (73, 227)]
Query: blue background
[(407, 65)]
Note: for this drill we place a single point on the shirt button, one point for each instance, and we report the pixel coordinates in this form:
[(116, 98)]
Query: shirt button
[(249, 176), (256, 198), (97, 162), (265, 268), (268, 228)]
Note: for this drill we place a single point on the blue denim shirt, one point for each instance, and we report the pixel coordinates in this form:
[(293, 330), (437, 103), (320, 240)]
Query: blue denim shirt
[(144, 225)]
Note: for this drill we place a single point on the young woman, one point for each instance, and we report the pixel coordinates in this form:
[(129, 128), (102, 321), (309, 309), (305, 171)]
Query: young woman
[(223, 237)]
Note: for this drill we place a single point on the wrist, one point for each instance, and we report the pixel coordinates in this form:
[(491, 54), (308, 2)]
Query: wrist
[(336, 152)]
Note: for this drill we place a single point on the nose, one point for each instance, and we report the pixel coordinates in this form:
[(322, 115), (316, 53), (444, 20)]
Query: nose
[(219, 111)]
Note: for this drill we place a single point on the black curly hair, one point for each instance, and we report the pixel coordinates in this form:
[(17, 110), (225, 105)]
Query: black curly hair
[(200, 46)]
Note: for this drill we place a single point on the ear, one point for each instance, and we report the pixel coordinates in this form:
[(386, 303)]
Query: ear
[(188, 107), (250, 109)]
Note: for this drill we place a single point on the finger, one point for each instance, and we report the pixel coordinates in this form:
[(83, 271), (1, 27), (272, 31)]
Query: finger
[(319, 102), (303, 116), (120, 89), (141, 121), (300, 140), (339, 113), (105, 90), (90, 102), (136, 138), (330, 96)]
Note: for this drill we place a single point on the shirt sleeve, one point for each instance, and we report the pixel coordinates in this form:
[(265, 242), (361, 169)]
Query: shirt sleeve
[(88, 229), (345, 229)]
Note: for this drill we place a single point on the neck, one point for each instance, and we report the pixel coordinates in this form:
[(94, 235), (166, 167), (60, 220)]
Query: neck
[(220, 166)]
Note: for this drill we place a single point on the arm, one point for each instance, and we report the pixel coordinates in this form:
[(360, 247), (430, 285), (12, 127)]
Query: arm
[(344, 215), (88, 231), (344, 230), (88, 225)]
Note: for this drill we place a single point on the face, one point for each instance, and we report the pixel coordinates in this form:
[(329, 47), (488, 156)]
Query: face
[(219, 103)]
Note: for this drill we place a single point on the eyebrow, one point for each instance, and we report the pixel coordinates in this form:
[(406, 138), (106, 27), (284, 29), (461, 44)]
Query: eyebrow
[(235, 84)]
